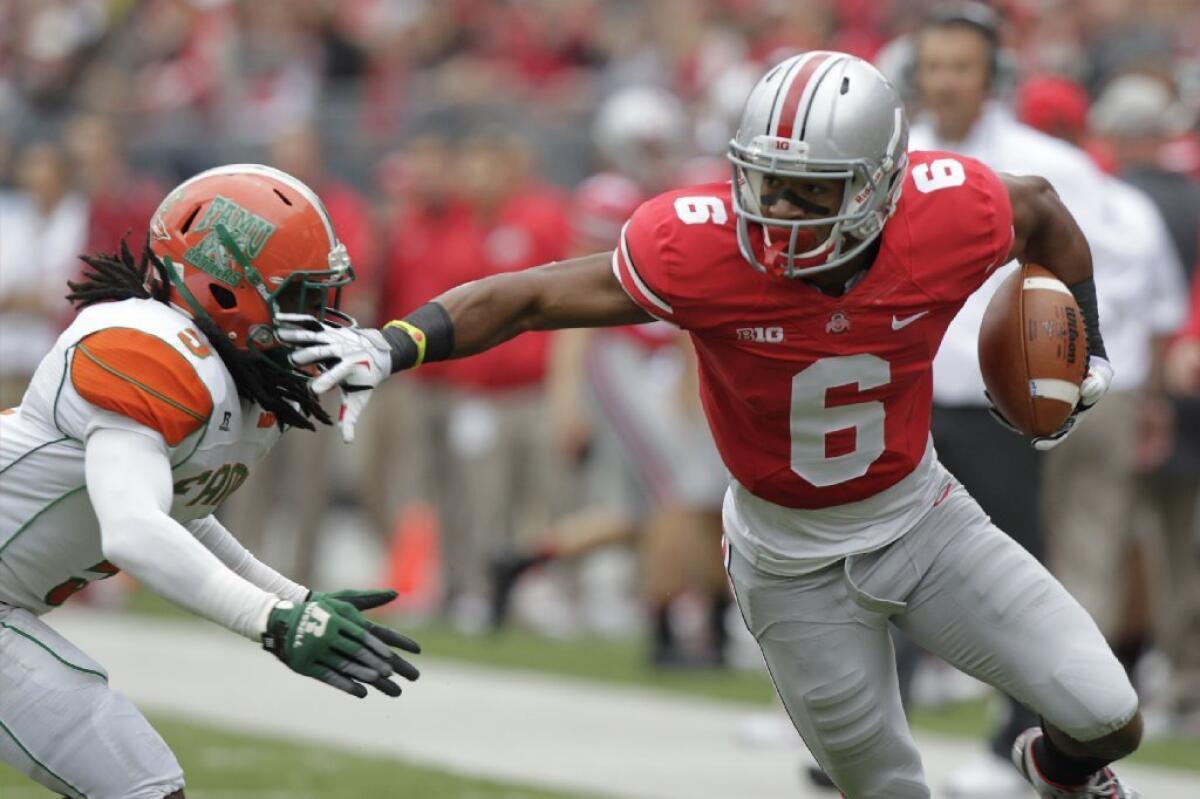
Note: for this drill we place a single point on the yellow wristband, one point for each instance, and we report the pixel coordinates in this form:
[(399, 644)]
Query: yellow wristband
[(416, 334)]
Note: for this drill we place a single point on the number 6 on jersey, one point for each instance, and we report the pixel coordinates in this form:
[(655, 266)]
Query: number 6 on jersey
[(812, 421)]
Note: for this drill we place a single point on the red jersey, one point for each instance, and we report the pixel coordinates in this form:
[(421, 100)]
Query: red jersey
[(816, 400), (1192, 327)]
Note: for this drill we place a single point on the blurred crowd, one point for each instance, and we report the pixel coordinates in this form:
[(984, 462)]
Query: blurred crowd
[(453, 140)]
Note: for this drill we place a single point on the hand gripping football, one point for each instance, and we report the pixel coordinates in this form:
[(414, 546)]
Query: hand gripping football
[(1033, 350)]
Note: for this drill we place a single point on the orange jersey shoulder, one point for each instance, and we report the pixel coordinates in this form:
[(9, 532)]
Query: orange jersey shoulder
[(142, 377)]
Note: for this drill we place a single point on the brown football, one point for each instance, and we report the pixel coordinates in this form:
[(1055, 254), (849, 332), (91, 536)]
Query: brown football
[(1033, 350)]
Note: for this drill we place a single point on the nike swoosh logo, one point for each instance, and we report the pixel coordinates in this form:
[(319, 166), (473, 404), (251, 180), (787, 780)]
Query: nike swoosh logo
[(897, 324)]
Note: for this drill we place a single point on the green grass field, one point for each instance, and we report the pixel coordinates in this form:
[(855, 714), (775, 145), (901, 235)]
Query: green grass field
[(224, 765)]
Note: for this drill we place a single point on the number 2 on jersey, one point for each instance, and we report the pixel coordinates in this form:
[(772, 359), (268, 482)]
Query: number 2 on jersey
[(812, 421)]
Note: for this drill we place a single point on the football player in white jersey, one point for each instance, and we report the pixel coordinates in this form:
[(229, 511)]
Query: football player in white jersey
[(148, 412)]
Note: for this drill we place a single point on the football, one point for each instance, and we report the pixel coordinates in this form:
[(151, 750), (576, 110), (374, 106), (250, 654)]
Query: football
[(1033, 350)]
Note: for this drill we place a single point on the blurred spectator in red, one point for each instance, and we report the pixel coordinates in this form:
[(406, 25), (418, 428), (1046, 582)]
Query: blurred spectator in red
[(1058, 106), (1054, 105), (430, 244), (792, 27), (178, 52), (498, 438), (466, 436), (44, 224), (120, 199), (539, 42), (1183, 358), (276, 70)]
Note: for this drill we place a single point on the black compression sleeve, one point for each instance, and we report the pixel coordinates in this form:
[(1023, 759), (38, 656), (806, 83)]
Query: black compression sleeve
[(1085, 295), (432, 320)]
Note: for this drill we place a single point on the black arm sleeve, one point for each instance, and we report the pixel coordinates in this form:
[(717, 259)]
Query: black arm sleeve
[(1085, 295), (432, 320)]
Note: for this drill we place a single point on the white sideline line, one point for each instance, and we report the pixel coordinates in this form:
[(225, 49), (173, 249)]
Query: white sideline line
[(552, 732)]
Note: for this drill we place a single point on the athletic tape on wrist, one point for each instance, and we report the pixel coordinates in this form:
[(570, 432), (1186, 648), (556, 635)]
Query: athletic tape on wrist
[(1084, 293), (416, 334)]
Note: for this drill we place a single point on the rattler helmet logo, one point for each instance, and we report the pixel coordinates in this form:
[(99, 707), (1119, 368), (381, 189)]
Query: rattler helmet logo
[(250, 231)]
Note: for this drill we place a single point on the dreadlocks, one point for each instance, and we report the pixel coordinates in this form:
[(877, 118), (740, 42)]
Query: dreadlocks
[(114, 277)]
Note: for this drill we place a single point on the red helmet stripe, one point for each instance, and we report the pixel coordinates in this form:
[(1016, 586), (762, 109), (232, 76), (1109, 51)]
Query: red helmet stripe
[(791, 104)]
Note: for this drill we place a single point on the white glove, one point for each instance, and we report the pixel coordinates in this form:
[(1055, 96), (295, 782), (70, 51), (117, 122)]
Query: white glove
[(355, 359), (1094, 386)]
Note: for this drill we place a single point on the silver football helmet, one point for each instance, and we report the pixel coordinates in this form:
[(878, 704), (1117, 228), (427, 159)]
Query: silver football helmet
[(819, 116)]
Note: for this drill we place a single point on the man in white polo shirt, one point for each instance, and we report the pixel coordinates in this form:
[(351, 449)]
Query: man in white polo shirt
[(956, 59)]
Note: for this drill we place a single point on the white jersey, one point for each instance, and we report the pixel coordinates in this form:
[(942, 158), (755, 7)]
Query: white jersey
[(135, 364)]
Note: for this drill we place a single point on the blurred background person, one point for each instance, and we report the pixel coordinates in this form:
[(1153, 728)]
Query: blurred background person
[(426, 247), (43, 228), (499, 442), (1092, 481), (283, 505), (1139, 117), (957, 69), (625, 410), (1183, 355), (120, 198)]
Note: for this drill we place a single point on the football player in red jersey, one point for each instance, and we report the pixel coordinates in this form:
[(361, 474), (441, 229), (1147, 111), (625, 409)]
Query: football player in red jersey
[(815, 371)]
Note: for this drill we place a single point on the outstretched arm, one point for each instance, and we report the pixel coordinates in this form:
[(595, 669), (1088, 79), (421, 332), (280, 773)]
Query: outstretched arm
[(1044, 232), (209, 531), (468, 319), (128, 474), (129, 484), (581, 292)]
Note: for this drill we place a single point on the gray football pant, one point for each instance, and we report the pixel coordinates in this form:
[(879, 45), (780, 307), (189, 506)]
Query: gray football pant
[(961, 589), (61, 725)]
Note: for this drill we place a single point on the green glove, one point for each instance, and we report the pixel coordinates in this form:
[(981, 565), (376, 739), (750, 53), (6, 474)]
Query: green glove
[(328, 639), (363, 600)]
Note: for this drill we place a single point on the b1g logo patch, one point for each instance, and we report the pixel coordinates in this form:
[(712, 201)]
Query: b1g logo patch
[(762, 335), (250, 231)]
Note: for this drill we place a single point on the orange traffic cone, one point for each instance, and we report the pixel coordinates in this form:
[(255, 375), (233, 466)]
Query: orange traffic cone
[(415, 559)]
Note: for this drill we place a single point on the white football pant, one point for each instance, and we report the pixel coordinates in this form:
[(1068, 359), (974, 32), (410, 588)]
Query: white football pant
[(961, 589), (62, 725)]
